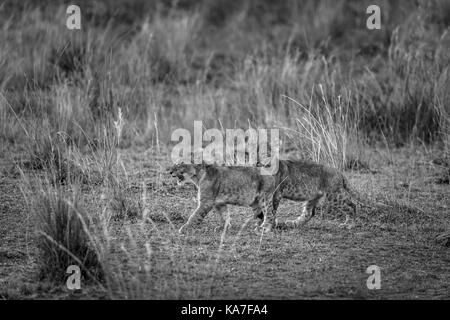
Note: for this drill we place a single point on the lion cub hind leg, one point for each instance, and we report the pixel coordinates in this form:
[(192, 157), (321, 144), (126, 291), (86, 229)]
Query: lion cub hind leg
[(308, 211), (267, 205), (349, 207), (258, 215)]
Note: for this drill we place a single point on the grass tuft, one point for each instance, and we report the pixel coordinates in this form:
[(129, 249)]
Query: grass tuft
[(63, 236)]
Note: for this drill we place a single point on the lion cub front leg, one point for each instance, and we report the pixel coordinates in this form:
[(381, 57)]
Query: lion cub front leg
[(258, 210), (225, 215), (267, 206), (205, 204), (258, 215), (197, 216)]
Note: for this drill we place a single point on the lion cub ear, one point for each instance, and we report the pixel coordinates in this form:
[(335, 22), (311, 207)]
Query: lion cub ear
[(269, 161)]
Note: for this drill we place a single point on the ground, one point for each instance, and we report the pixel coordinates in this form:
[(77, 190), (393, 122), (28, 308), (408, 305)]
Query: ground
[(319, 260)]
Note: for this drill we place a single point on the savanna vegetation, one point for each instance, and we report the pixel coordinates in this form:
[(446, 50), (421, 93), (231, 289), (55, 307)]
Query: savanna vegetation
[(86, 118)]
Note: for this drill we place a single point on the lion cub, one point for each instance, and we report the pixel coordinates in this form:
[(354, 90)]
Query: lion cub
[(315, 185), (219, 186)]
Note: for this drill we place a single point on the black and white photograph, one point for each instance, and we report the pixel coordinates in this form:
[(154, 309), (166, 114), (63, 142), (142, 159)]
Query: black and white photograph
[(224, 150)]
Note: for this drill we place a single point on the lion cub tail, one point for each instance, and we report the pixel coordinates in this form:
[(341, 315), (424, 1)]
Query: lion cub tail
[(362, 200)]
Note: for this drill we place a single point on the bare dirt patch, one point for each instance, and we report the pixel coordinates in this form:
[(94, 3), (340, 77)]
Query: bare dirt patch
[(320, 260)]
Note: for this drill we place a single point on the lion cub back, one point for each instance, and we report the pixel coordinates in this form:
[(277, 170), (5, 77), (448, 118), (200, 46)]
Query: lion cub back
[(301, 180), (235, 185)]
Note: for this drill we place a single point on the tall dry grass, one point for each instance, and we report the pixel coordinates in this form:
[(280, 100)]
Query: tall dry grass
[(63, 232), (171, 69)]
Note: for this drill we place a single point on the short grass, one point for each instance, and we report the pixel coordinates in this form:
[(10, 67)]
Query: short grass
[(144, 257)]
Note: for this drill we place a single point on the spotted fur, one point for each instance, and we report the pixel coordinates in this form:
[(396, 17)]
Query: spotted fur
[(219, 186), (315, 185)]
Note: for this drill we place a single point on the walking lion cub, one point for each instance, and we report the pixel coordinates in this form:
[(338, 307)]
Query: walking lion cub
[(315, 185), (312, 183), (219, 186)]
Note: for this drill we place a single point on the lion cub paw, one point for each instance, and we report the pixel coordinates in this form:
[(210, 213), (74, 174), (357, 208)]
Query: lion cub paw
[(183, 229), (264, 228)]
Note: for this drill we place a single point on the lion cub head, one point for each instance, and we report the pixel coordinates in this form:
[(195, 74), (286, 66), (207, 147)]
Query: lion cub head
[(188, 172), (182, 171)]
